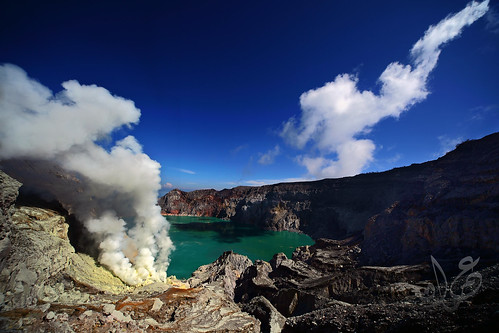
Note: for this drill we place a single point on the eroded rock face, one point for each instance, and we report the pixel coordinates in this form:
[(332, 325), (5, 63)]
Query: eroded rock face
[(9, 189), (199, 203), (408, 235), (42, 266), (456, 216)]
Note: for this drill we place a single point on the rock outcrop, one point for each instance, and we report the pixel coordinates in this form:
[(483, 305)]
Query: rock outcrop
[(447, 206), (222, 274)]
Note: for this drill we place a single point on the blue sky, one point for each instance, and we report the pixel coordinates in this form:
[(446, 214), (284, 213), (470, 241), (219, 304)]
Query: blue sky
[(218, 83)]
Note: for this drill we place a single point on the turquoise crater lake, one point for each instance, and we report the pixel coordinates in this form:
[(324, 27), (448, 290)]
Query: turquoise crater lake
[(201, 240)]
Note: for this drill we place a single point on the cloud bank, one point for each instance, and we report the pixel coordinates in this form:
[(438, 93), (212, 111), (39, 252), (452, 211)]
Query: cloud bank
[(120, 185), (335, 115)]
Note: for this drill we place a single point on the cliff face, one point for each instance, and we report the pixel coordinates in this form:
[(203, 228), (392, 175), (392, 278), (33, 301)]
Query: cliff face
[(455, 215), (326, 208), (405, 213)]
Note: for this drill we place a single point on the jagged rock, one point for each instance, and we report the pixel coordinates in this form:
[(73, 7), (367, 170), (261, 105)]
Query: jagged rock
[(271, 320), (301, 253), (320, 296), (317, 298), (222, 273), (183, 310), (255, 281)]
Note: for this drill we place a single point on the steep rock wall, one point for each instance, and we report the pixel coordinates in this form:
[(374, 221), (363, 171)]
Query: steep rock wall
[(405, 213), (326, 208)]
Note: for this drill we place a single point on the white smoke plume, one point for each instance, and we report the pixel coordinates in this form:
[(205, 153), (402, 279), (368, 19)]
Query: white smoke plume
[(336, 114), (117, 187)]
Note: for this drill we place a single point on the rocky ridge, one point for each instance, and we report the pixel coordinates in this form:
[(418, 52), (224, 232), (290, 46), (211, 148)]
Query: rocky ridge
[(446, 206)]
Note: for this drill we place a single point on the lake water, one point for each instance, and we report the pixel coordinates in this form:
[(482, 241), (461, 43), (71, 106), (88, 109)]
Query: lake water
[(201, 240)]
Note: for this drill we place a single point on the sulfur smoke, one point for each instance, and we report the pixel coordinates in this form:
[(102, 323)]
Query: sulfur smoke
[(57, 137)]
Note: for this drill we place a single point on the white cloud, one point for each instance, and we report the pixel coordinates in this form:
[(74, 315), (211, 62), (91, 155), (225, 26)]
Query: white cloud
[(190, 172), (269, 156), (168, 185), (352, 156), (336, 114)]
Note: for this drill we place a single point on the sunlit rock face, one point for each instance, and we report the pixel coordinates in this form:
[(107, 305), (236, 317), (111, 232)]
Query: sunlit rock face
[(405, 214), (45, 285), (38, 262)]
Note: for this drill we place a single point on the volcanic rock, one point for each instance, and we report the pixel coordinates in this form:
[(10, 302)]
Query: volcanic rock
[(271, 320), (222, 273), (329, 290)]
